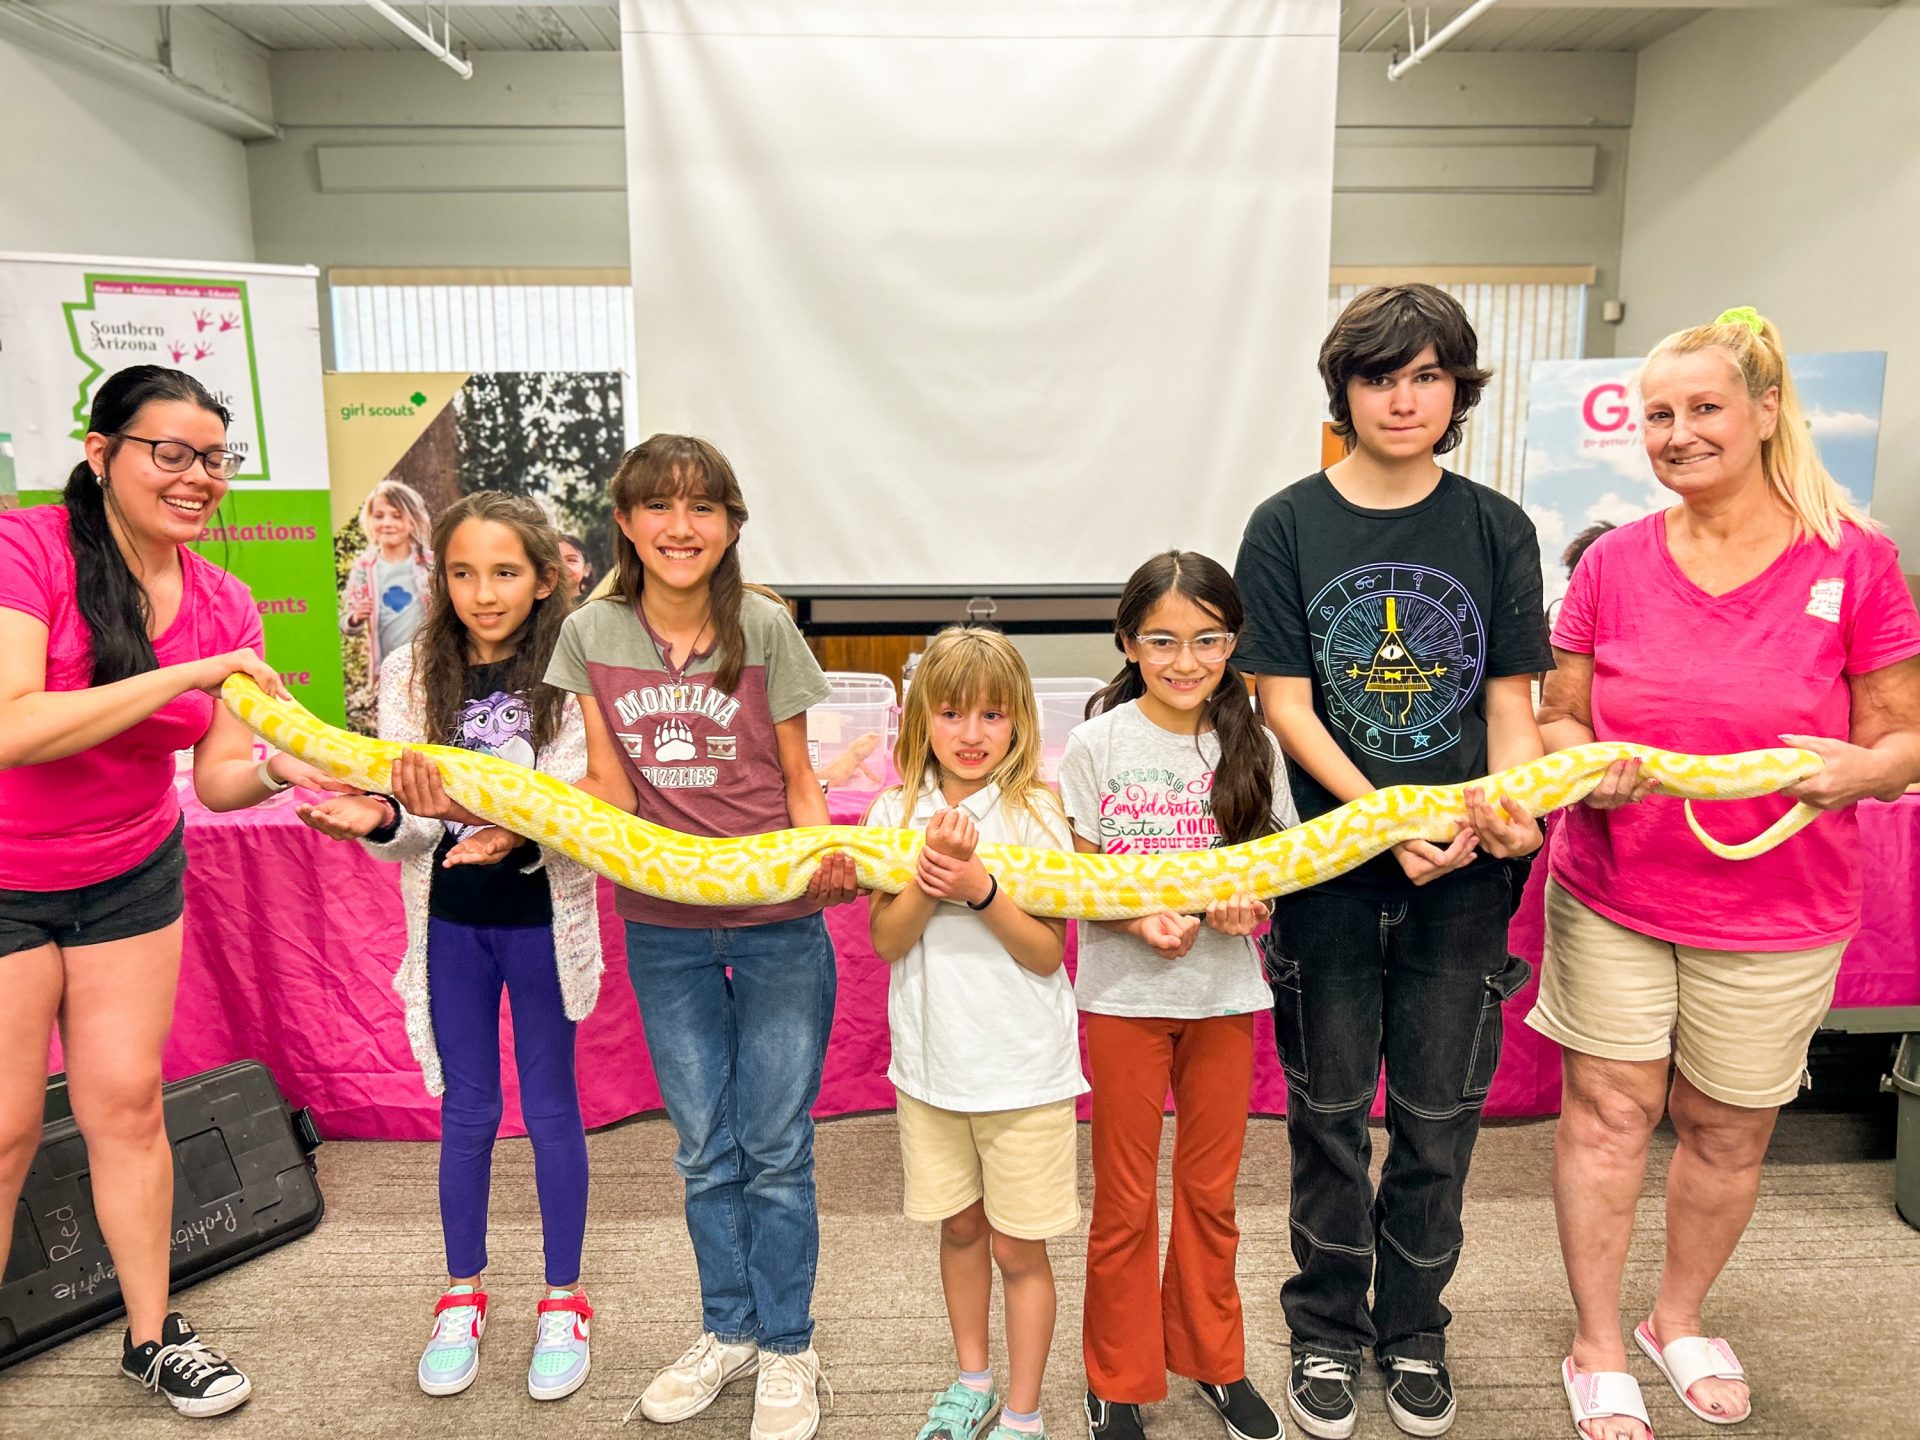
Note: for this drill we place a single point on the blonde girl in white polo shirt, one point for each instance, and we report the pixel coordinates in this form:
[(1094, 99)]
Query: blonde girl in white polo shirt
[(986, 1053)]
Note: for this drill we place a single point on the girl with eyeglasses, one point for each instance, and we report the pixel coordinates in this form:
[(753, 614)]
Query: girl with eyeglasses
[(112, 635), (1172, 757)]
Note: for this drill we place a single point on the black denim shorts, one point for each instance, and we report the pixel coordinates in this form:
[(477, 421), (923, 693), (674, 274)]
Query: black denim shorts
[(139, 901)]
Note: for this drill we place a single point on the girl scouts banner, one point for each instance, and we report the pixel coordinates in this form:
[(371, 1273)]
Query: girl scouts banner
[(1587, 461), (406, 446), (251, 335)]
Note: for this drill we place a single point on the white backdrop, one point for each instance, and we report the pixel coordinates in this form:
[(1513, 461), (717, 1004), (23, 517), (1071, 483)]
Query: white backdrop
[(983, 293)]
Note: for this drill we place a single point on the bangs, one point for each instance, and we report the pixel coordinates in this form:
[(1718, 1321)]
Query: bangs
[(968, 672), (679, 478)]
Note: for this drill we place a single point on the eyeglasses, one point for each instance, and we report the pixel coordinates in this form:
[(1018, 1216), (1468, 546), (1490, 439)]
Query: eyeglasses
[(1209, 649), (176, 456)]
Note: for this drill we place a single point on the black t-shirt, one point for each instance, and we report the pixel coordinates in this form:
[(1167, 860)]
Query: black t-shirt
[(1399, 617), (495, 722)]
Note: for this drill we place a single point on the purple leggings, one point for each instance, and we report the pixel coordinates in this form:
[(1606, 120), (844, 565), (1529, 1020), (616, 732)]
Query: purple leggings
[(466, 967)]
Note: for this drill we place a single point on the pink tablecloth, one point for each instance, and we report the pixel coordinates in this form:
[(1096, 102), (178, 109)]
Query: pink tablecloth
[(291, 943)]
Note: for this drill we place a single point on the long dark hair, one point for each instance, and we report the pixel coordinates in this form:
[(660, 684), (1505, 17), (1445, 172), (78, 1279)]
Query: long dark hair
[(1243, 778), (440, 645), (667, 467), (112, 599)]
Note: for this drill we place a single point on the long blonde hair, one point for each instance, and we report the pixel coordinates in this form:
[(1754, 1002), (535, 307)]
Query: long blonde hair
[(964, 667), (404, 498), (1787, 457)]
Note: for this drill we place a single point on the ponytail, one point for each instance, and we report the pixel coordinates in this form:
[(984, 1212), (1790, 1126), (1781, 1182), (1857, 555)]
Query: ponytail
[(112, 599)]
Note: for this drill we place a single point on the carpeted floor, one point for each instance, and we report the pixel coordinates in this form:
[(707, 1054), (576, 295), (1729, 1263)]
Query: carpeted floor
[(1822, 1299)]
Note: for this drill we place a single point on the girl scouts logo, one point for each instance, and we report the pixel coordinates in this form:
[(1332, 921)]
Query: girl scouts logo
[(1399, 650)]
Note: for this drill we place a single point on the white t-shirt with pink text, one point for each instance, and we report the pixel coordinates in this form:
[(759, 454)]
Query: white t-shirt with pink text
[(1132, 788)]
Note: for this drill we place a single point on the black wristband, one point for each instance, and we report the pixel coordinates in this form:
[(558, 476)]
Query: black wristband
[(993, 890)]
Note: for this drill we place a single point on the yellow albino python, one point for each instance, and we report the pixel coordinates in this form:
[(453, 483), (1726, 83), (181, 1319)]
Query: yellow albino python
[(766, 869)]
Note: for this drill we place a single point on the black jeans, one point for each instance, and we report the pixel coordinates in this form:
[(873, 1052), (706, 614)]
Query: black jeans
[(1420, 980)]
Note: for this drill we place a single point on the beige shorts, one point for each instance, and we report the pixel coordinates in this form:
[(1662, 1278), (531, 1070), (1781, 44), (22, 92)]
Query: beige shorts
[(1025, 1164), (1736, 1023)]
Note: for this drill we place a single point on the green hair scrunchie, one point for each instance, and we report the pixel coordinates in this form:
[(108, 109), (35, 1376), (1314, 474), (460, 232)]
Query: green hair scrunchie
[(1743, 315)]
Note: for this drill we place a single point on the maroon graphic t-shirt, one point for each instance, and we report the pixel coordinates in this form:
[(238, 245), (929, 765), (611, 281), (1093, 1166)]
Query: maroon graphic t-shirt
[(703, 760)]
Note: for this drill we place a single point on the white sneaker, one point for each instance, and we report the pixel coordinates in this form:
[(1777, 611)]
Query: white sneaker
[(786, 1402), (695, 1380)]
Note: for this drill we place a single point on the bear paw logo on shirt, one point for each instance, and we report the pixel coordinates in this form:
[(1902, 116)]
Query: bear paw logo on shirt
[(672, 740)]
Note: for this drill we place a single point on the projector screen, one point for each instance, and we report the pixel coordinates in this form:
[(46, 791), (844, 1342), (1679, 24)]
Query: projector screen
[(983, 292)]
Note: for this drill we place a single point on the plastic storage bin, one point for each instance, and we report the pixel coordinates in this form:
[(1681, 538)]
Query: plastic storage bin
[(850, 734), (1062, 702)]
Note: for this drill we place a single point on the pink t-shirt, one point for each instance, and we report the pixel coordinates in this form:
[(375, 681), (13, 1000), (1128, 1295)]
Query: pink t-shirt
[(1683, 670), (97, 814)]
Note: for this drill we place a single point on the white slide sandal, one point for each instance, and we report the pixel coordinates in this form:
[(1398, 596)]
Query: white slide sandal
[(1689, 1360), (1602, 1395)]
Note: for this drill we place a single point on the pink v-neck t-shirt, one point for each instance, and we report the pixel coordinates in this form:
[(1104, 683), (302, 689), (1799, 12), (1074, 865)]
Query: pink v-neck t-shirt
[(1680, 669), (97, 814)]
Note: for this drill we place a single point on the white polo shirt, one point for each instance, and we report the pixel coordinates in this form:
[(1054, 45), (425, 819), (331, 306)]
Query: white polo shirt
[(974, 1030)]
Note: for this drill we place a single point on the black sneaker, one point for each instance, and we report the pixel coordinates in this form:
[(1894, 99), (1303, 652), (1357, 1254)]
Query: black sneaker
[(1320, 1395), (1419, 1394), (1248, 1417), (1110, 1420), (196, 1379)]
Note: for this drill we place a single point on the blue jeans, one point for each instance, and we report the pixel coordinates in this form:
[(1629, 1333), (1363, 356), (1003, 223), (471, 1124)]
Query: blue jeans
[(737, 1023), (1419, 981)]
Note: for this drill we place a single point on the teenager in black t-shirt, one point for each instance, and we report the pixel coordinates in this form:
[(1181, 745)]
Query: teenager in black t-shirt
[(1394, 621)]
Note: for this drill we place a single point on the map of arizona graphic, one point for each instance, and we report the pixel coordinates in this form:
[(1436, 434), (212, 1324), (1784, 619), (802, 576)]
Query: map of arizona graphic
[(1400, 649), (773, 868)]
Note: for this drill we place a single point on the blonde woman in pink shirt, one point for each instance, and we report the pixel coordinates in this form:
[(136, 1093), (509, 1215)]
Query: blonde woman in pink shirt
[(1762, 609), (112, 633)]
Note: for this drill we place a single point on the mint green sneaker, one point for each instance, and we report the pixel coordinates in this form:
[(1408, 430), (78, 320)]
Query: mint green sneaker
[(1001, 1432), (958, 1412), (560, 1359), (452, 1356)]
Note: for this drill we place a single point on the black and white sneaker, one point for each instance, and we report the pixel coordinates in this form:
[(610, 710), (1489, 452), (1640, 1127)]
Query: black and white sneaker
[(1113, 1420), (196, 1379), (1320, 1395), (1248, 1416), (1419, 1394)]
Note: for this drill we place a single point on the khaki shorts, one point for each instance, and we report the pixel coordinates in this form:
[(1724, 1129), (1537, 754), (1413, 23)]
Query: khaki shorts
[(1024, 1163), (1736, 1023)]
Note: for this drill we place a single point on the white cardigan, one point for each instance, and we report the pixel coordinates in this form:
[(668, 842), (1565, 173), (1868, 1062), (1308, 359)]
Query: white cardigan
[(576, 918)]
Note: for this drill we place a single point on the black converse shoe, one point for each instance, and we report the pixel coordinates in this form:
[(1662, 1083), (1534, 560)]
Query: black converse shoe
[(1107, 1420), (1419, 1394), (1248, 1417), (196, 1379), (1320, 1395)]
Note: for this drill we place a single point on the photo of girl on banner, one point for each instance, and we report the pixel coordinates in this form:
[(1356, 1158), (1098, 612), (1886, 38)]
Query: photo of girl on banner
[(405, 447)]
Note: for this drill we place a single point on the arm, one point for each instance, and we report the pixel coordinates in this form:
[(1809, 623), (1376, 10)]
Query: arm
[(895, 923), (605, 777), (950, 870), (1881, 756), (836, 881), (1505, 829), (1566, 720), (227, 777), (38, 724), (1286, 704)]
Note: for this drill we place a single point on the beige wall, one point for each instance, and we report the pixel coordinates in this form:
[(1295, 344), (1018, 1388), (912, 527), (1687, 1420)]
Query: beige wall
[(549, 191), (78, 150), (1773, 164)]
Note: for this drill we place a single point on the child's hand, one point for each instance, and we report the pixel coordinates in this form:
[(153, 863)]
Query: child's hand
[(345, 817), (1424, 861), (1238, 914), (1506, 830), (952, 832), (1170, 935), (360, 606), (483, 847), (836, 881), (417, 785), (963, 881)]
